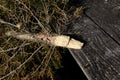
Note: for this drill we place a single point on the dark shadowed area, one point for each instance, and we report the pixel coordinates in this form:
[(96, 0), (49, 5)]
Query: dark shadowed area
[(70, 70)]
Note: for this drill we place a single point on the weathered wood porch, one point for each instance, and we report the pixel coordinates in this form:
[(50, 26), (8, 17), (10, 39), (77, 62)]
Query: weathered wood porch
[(99, 27)]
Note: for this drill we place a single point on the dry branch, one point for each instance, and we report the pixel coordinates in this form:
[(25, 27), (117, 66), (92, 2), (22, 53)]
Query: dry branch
[(56, 40)]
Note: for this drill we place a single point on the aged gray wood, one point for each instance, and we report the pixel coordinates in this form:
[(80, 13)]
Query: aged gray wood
[(100, 28), (106, 14), (100, 57)]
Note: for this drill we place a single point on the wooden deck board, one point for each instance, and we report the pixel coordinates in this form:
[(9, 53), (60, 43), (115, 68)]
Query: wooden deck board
[(100, 57), (106, 14)]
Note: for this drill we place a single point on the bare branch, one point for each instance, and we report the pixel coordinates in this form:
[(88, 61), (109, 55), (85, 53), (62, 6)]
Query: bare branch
[(56, 40), (24, 36)]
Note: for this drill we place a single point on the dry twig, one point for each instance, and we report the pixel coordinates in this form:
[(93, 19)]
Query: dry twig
[(24, 44), (56, 40), (45, 61), (14, 71), (39, 23), (14, 48)]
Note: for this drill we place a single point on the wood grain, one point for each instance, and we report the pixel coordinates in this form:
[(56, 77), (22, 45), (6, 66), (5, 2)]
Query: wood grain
[(100, 57)]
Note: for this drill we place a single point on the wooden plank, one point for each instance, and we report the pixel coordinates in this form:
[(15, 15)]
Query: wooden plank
[(106, 14), (100, 57)]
